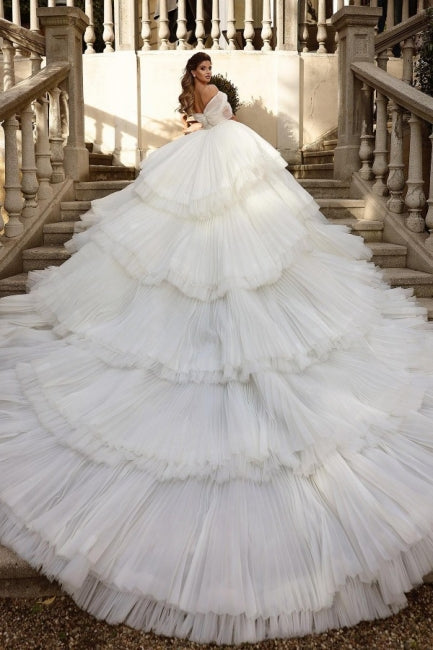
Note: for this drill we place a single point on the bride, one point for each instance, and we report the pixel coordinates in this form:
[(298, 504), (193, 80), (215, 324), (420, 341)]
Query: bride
[(216, 419)]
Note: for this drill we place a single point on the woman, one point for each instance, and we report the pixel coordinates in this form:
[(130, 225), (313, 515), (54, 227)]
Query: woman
[(217, 418)]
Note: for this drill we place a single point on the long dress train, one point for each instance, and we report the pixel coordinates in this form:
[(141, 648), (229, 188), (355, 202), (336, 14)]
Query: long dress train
[(216, 418)]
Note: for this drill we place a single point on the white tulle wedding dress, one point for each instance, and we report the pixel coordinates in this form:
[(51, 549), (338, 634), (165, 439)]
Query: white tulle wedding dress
[(216, 419)]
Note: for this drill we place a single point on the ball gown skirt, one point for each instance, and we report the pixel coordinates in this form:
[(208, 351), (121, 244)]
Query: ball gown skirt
[(216, 419)]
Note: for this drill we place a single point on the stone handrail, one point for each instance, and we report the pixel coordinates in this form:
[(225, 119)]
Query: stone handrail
[(23, 37), (369, 95), (16, 99), (409, 98), (401, 32)]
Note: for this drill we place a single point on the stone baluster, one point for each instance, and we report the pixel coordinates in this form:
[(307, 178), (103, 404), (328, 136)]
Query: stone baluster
[(29, 181), (70, 3), (89, 34), (2, 9), (395, 181), (408, 49), (145, 25), (390, 21), (405, 10), (415, 197), (266, 26), (419, 6), (13, 202), (199, 26), (340, 5), (16, 18), (108, 33), (34, 21), (215, 31), (16, 12), (181, 25), (35, 58), (249, 26), (51, 3), (44, 169), (380, 165), (367, 137), (303, 26), (231, 25), (429, 216), (56, 138), (321, 26), (163, 32)]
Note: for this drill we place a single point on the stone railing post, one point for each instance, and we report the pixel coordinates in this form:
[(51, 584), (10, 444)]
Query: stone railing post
[(286, 14), (126, 21), (64, 28), (355, 26)]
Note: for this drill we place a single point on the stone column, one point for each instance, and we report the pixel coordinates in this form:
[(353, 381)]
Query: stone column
[(64, 28), (355, 26)]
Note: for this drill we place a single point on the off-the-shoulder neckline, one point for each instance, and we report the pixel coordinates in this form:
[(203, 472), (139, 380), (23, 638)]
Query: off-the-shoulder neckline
[(211, 99)]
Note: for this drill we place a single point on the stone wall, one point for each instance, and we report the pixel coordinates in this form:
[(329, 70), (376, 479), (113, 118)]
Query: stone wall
[(131, 98)]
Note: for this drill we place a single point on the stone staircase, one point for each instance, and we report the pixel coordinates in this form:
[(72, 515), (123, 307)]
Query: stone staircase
[(333, 197), (105, 178)]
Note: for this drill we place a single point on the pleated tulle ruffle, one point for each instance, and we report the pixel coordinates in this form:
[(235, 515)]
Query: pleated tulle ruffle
[(216, 418)]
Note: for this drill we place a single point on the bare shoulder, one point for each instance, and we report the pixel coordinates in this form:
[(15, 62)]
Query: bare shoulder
[(213, 90)]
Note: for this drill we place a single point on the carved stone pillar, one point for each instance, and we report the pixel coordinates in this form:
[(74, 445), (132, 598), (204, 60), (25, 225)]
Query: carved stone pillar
[(64, 28), (355, 26)]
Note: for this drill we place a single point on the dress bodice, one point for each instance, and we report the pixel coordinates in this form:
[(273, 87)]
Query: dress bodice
[(216, 110)]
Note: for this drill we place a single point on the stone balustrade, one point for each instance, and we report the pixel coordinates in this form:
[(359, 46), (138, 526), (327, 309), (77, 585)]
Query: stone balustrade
[(42, 115), (374, 101), (219, 24)]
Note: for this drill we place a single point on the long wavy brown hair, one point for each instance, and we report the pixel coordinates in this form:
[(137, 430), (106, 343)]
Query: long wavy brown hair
[(186, 97)]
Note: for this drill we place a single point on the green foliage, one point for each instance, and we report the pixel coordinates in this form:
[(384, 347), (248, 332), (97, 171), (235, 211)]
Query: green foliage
[(227, 87), (423, 73)]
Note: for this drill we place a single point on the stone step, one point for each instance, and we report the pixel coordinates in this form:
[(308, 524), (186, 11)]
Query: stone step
[(325, 187), (43, 256), (330, 144), (72, 210), (13, 285), (111, 172), (427, 303), (89, 190), (421, 282), (342, 208), (371, 231), (322, 156), (19, 580), (58, 232), (101, 158), (325, 170), (388, 255)]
